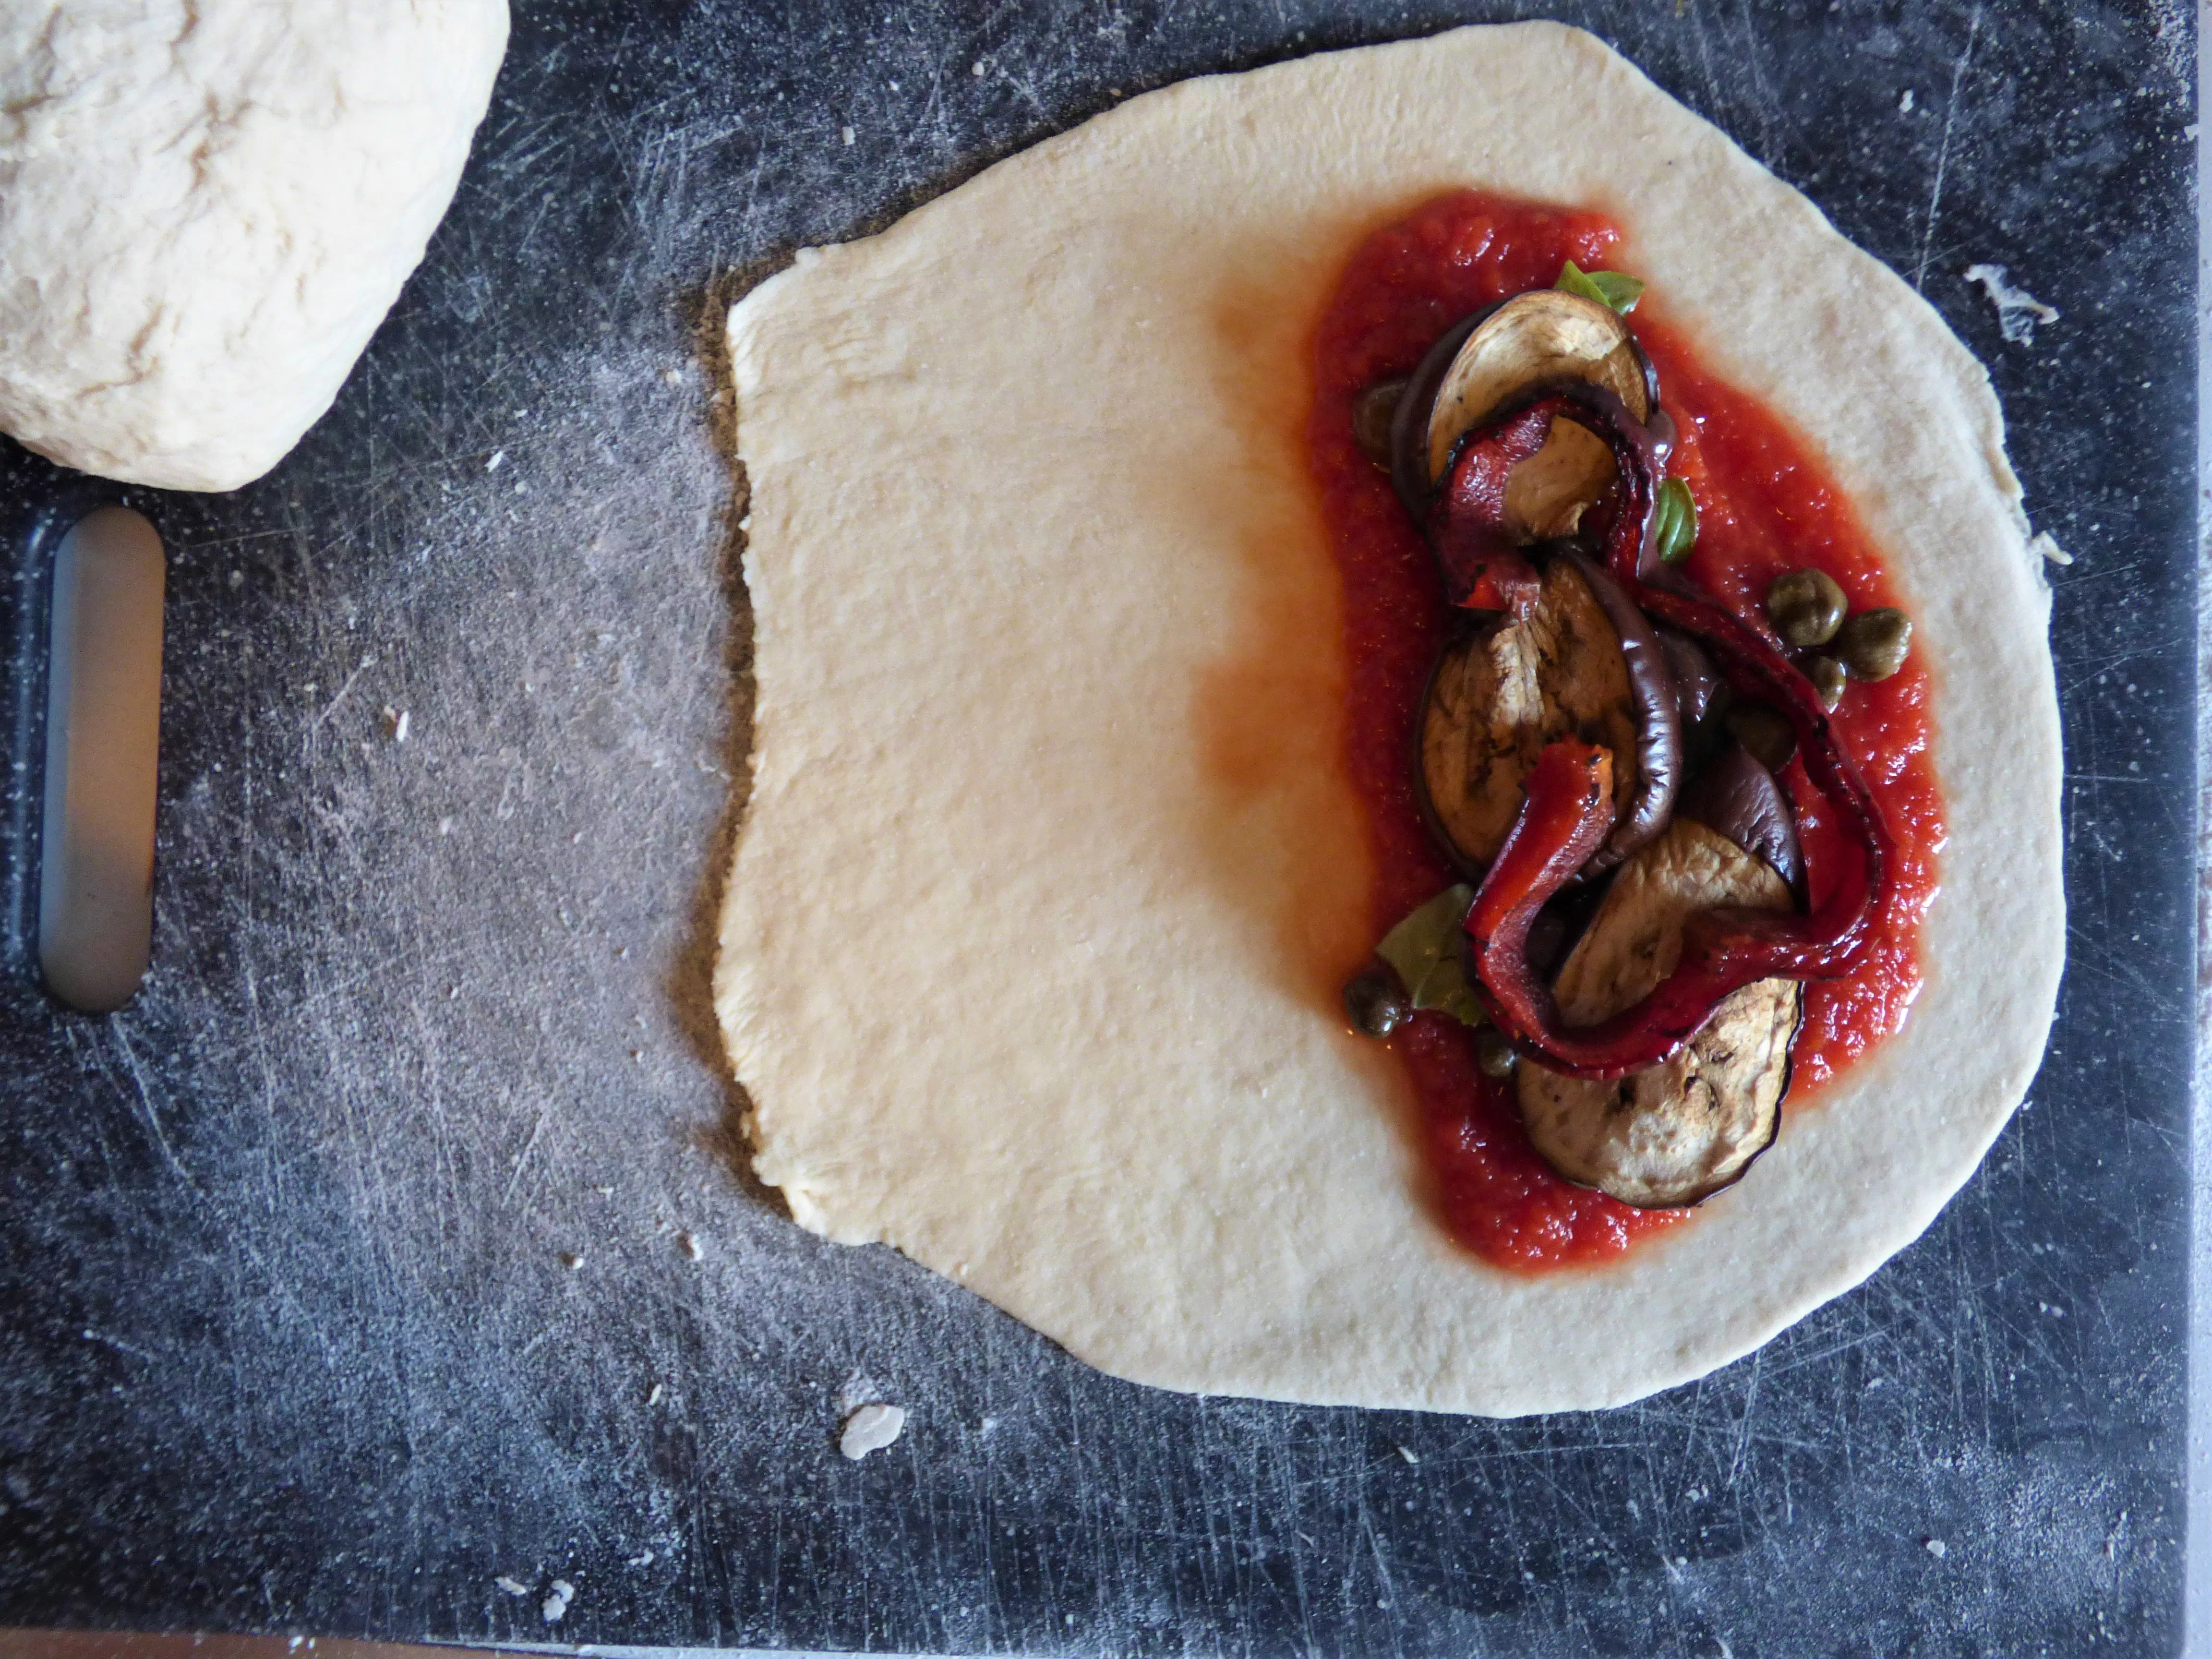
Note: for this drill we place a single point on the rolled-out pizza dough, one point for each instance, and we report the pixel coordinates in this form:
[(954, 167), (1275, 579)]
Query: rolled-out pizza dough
[(207, 206), (1050, 875)]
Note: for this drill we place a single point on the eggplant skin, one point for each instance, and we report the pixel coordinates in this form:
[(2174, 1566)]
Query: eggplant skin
[(1672, 1134), (1658, 717), (1500, 694), (1697, 682), (1409, 424), (1737, 796)]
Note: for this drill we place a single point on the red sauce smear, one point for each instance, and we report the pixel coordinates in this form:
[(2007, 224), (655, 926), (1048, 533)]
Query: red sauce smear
[(1765, 505)]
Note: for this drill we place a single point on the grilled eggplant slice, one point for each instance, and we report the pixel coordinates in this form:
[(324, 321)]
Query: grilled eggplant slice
[(1671, 1135), (1581, 660), (1741, 800), (1531, 343)]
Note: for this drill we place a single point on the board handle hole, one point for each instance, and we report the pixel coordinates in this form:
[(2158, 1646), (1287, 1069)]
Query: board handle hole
[(103, 725)]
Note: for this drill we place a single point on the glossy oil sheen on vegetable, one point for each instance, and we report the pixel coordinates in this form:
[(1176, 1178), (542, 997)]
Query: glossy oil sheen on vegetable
[(1764, 506)]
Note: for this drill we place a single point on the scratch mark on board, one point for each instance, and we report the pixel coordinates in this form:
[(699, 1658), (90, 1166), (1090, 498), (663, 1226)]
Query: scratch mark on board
[(1943, 149)]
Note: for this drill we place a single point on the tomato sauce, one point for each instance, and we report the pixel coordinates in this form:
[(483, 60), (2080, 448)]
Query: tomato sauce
[(1765, 505)]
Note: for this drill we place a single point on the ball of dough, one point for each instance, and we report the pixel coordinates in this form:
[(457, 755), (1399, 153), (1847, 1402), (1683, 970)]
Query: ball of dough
[(207, 206)]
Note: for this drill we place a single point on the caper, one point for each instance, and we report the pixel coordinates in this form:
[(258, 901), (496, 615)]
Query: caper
[(1828, 677), (1873, 643), (1372, 412), (1807, 606), (1376, 1002), (1493, 1054), (1765, 731)]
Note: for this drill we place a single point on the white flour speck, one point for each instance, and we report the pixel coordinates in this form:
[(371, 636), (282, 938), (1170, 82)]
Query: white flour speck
[(2018, 311), (871, 1429), (555, 1607)]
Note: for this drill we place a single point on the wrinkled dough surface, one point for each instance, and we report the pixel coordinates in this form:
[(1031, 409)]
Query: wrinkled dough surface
[(207, 206)]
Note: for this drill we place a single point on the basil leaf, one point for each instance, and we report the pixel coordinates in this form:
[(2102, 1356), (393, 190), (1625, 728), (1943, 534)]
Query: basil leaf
[(1448, 992), (1676, 530), (1424, 948), (1608, 288)]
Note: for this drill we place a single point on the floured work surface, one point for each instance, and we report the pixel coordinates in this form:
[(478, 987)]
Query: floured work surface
[(312, 1196)]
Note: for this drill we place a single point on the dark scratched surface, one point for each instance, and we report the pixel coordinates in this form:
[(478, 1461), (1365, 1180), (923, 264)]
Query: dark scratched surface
[(292, 1337)]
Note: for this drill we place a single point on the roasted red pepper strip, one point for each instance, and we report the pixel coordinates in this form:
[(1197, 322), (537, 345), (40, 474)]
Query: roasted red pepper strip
[(1483, 569), (1721, 949), (1568, 815)]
